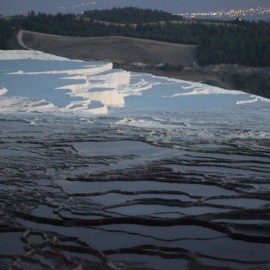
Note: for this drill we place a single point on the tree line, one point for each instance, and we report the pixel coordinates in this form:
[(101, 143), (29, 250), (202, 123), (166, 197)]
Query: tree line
[(5, 34), (131, 15), (237, 42)]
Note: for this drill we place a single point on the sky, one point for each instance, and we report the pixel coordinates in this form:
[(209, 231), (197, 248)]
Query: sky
[(14, 7)]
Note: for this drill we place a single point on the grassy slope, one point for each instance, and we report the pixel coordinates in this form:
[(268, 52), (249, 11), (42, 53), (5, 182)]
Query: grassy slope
[(121, 50)]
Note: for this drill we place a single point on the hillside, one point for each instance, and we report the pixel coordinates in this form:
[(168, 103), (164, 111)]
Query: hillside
[(120, 50)]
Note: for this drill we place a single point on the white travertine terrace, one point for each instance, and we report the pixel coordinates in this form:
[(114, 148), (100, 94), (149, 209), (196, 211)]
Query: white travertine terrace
[(96, 88), (3, 91), (29, 54)]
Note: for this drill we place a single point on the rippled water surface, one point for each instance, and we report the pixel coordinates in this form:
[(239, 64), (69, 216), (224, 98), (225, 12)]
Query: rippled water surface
[(172, 175)]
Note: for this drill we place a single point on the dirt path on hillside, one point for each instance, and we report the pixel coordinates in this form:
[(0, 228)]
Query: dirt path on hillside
[(20, 40)]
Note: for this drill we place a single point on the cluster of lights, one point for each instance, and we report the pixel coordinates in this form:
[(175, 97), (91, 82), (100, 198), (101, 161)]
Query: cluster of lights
[(234, 13), (89, 3)]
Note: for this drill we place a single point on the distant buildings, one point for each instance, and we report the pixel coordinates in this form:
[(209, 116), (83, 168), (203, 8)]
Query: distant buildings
[(251, 13)]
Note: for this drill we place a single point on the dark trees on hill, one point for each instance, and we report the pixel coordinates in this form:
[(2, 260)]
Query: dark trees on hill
[(131, 15), (5, 34)]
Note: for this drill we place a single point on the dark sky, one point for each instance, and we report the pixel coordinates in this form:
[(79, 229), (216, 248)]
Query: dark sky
[(12, 7)]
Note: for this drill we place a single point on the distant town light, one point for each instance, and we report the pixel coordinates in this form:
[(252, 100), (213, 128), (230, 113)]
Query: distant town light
[(233, 13)]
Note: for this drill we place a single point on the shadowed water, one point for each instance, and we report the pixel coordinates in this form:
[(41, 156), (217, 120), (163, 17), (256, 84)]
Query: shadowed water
[(147, 206)]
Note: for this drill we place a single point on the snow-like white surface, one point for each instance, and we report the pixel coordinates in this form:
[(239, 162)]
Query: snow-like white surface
[(29, 84), (80, 72), (3, 91), (112, 80), (21, 104), (27, 54), (202, 89), (252, 100), (110, 98), (138, 88)]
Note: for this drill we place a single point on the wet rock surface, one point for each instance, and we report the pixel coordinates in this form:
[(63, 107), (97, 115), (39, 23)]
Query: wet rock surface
[(158, 199)]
